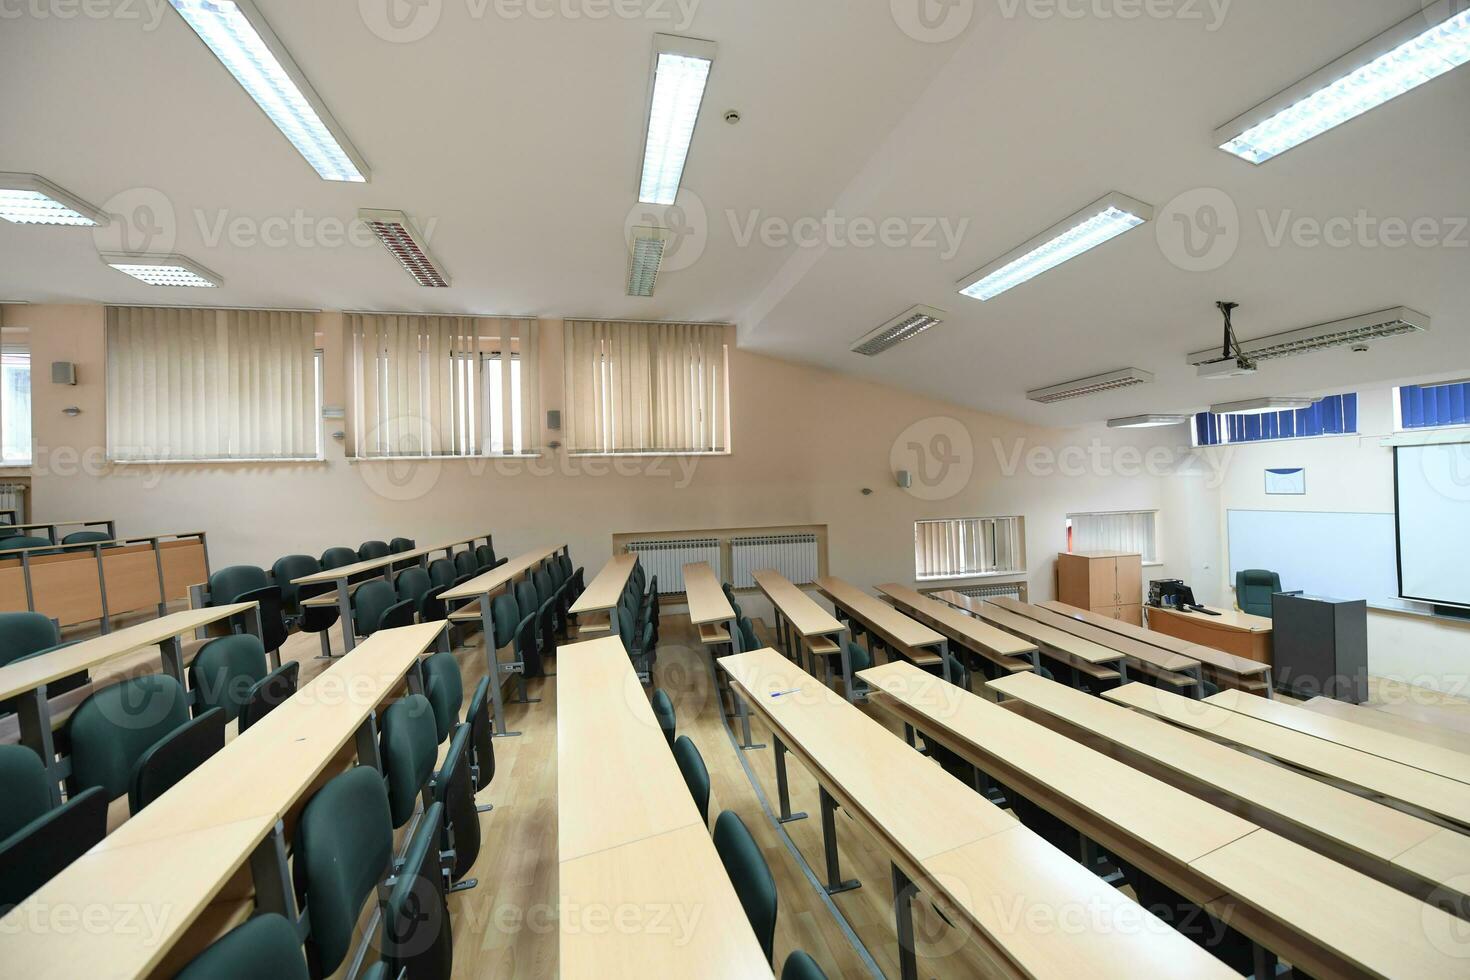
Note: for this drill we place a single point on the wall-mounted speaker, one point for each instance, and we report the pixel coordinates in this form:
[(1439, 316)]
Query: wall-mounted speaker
[(553, 418), (905, 479), (63, 373)]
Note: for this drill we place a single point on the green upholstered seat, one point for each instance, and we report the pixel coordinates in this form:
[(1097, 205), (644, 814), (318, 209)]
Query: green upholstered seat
[(663, 711), (112, 729), (174, 756), (482, 739), (485, 557), (750, 875), (527, 646), (38, 851), (546, 631), (344, 843), (376, 606), (413, 584), (528, 600), (15, 542), (86, 537), (696, 776), (506, 614), (408, 745), (442, 572), (454, 788), (270, 691), (399, 545), (370, 550), (748, 638), (264, 946), (444, 687), (465, 563), (227, 584), (224, 672), (416, 938), (22, 787), (285, 570), (800, 966), (337, 557), (246, 583), (28, 634), (1253, 590)]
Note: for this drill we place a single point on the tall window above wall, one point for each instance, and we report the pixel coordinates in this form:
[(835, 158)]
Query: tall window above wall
[(196, 385), (15, 405), (968, 547), (444, 385), (1332, 416), (647, 388), (1433, 406), (1134, 532)]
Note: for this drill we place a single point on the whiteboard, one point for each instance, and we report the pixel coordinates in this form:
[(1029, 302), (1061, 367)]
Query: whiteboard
[(1343, 556)]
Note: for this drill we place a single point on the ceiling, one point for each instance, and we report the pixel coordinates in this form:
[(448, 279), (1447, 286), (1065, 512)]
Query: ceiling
[(513, 140)]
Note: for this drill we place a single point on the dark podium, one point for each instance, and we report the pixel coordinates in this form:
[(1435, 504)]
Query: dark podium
[(1320, 646)]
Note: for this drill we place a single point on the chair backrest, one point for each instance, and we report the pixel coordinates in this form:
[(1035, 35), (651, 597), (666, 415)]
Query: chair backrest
[(412, 583), (546, 622), (800, 966), (408, 745), (858, 655), (399, 545), (663, 711), (528, 651), (528, 600), (271, 690), (86, 537), (442, 571), (39, 851), (748, 639), (15, 542), (454, 787), (174, 756), (545, 587), (482, 738), (485, 557), (369, 603), (444, 687), (465, 563), (696, 776), (344, 843), (112, 729), (22, 787), (224, 671), (262, 946), (750, 875), (25, 633), (337, 557), (1253, 589), (293, 567), (369, 550), (416, 940), (507, 615), (229, 583)]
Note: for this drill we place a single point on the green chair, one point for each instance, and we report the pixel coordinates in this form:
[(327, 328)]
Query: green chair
[(442, 572), (546, 628), (397, 547), (246, 583), (663, 711), (454, 791), (696, 776), (800, 966), (444, 687), (371, 550), (308, 619), (1253, 590), (507, 616), (23, 787), (416, 940), (26, 634), (224, 672), (174, 756), (264, 946), (408, 746), (16, 542), (750, 875), (485, 558), (337, 557), (376, 606), (466, 564), (528, 652), (343, 847), (748, 638), (41, 849), (482, 739), (110, 731), (860, 659), (86, 537)]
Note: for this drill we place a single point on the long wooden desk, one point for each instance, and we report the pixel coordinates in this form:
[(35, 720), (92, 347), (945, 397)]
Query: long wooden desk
[(1422, 792), (630, 837), (51, 527), (1010, 654), (1224, 669), (1005, 886), (1099, 662), (1172, 836), (603, 593), (1408, 727), (1232, 631), (27, 679), (903, 636), (802, 624), (483, 589), (713, 618), (1420, 755), (174, 877)]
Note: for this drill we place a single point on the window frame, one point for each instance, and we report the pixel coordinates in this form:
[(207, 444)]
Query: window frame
[(8, 351), (1153, 513), (1017, 525), (1225, 439), (1398, 413)]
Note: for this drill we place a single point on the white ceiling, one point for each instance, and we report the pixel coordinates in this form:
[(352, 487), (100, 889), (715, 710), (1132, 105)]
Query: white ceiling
[(517, 140)]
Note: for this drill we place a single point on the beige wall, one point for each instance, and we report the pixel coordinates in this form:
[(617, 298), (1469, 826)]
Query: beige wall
[(806, 442)]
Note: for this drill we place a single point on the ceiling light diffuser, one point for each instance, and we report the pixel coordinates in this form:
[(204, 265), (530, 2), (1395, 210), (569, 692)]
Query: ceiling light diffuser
[(244, 43), (1262, 406), (906, 326), (646, 254), (1099, 222), (1147, 421), (163, 270), (402, 241), (30, 199), (681, 68), (1095, 385), (1418, 50)]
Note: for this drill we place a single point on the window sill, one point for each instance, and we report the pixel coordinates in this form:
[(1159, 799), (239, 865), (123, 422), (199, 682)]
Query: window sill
[(653, 455), (278, 460), (1266, 442), (442, 458), (968, 576)]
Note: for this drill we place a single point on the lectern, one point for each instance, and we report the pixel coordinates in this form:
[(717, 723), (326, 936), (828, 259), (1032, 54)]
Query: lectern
[(1321, 646)]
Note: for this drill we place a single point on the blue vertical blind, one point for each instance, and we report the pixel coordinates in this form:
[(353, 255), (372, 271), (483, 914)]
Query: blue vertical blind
[(1423, 408), (1334, 415)]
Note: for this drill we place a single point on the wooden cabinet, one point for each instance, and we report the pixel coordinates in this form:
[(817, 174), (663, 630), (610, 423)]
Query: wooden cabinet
[(1109, 583)]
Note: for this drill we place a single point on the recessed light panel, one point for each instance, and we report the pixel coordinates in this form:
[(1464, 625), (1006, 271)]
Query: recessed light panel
[(905, 326), (29, 199), (163, 270), (1095, 385), (681, 68), (402, 241)]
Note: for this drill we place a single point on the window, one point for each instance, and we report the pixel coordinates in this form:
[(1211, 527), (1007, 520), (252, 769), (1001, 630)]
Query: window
[(191, 385), (1135, 532), (966, 547), (1333, 416), (15, 406), (647, 388), (1428, 407), (444, 385)]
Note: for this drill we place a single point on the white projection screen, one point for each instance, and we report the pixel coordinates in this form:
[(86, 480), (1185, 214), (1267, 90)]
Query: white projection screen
[(1432, 490)]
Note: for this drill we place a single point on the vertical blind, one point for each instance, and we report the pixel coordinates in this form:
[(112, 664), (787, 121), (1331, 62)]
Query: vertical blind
[(646, 387), (194, 384), (444, 385), (1335, 415), (1134, 532), (966, 546), (1423, 408)]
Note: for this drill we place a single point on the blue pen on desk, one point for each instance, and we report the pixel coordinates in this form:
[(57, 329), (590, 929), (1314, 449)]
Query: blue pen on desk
[(794, 690)]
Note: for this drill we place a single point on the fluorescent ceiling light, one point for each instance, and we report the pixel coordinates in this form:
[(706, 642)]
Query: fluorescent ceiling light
[(30, 199), (681, 68), (1416, 51), (646, 254), (239, 36), (1147, 421), (1095, 385), (906, 326), (1099, 222), (1261, 406), (162, 270), (1324, 336), (401, 239)]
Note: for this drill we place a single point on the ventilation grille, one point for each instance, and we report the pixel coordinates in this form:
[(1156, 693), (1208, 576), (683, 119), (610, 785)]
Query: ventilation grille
[(905, 326), (398, 236), (666, 559), (643, 263), (793, 555), (1010, 590)]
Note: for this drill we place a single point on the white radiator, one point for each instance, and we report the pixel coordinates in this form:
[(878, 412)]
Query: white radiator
[(1009, 589), (13, 497), (793, 555), (666, 559)]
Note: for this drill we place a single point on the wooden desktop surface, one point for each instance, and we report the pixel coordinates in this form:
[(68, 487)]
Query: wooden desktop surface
[(498, 578), (378, 564), (1156, 657), (1407, 727), (1220, 659), (967, 630), (1228, 619), (883, 617), (1047, 636), (705, 598), (606, 589), (801, 610), (1232, 631)]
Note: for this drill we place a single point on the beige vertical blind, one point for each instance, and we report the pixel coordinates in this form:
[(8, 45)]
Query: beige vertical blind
[(1128, 531), (647, 387), (967, 546), (196, 384), (444, 385)]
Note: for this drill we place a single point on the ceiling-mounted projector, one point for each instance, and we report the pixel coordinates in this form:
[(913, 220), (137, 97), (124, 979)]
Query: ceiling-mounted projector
[(1232, 362)]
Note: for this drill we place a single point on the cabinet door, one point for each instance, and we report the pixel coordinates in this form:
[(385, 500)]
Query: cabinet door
[(1102, 583), (1132, 614), (1130, 580)]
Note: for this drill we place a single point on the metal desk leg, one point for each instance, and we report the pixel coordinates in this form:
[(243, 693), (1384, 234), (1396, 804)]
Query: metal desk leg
[(492, 666), (171, 651), (745, 742), (903, 917), (344, 605), (847, 689), (782, 792), (34, 713), (944, 656), (835, 883), (1265, 962), (367, 743), (272, 875)]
